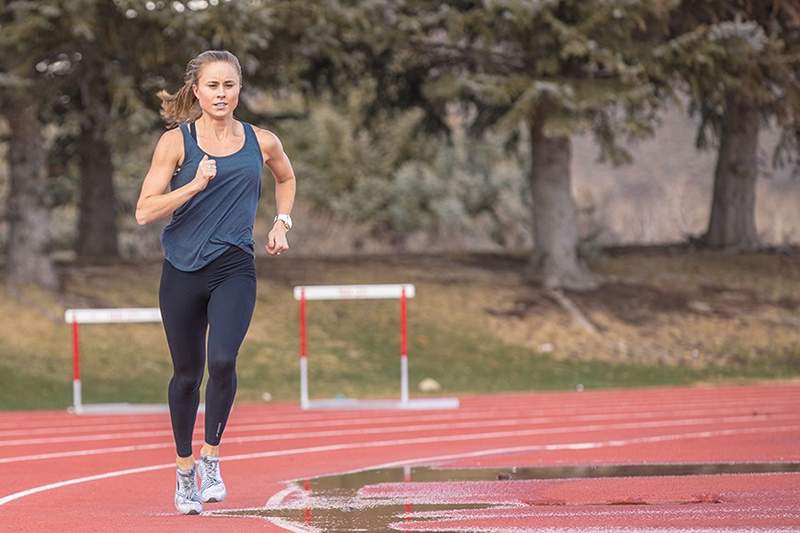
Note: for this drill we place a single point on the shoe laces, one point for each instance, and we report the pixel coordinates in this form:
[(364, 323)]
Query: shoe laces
[(211, 473), (187, 486)]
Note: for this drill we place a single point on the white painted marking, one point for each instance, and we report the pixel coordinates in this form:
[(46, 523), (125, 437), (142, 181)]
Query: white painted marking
[(78, 480), (416, 427), (280, 522), (306, 420), (584, 445), (84, 453), (402, 429), (498, 451), (564, 410), (387, 443), (276, 499)]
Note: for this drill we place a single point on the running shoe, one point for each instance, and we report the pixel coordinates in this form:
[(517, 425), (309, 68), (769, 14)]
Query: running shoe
[(212, 488), (187, 498)]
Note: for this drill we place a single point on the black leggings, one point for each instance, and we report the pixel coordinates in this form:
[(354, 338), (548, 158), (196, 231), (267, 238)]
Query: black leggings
[(220, 295)]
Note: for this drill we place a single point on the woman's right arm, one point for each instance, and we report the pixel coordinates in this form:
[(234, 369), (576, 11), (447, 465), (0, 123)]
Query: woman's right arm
[(154, 202)]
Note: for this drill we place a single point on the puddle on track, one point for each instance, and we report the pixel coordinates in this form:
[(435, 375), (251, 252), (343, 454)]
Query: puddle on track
[(332, 504)]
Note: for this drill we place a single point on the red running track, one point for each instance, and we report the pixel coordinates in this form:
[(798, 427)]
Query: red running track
[(63, 472)]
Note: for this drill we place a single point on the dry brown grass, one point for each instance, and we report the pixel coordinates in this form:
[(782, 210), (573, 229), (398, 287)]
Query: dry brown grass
[(688, 308), (703, 315)]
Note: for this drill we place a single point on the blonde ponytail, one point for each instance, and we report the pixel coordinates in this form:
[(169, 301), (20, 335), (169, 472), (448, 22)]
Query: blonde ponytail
[(179, 107), (182, 106)]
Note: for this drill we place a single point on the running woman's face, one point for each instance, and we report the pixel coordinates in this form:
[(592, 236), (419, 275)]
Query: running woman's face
[(217, 89)]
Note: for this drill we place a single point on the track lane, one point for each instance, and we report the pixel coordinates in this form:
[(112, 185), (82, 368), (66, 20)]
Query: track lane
[(21, 472), (262, 463)]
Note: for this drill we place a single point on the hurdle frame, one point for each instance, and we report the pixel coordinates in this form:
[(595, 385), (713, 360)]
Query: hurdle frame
[(125, 315), (404, 291)]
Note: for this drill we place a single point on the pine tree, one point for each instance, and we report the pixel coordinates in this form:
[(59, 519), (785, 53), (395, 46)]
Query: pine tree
[(738, 62), (93, 67), (28, 201), (86, 68), (553, 67)]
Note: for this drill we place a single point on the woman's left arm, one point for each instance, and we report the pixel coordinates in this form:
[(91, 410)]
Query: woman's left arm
[(285, 187)]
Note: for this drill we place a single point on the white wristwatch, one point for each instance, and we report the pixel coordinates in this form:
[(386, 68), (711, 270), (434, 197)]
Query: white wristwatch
[(286, 219)]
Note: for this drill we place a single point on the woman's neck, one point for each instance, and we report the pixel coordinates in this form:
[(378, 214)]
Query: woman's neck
[(221, 129)]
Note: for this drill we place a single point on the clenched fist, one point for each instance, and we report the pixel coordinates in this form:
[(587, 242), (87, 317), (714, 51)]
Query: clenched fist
[(206, 171), (276, 240)]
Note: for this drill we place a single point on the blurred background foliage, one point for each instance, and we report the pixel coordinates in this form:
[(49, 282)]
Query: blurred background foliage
[(641, 153), (412, 124)]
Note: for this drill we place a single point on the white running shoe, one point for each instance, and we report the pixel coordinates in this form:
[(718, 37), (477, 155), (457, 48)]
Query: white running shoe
[(187, 499), (212, 488)]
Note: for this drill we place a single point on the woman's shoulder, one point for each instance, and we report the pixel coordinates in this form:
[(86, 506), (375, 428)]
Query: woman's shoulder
[(264, 135), (269, 142), (172, 136), (170, 144)]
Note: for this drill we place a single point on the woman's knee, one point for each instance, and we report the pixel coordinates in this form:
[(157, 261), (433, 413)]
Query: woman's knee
[(186, 382), (222, 367)]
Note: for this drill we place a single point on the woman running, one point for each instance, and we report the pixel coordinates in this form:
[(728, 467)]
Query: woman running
[(211, 165)]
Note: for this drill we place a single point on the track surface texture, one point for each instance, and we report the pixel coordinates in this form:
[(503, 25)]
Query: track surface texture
[(64, 472)]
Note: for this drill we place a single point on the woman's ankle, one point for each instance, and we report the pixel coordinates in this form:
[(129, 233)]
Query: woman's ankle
[(209, 450), (185, 463)]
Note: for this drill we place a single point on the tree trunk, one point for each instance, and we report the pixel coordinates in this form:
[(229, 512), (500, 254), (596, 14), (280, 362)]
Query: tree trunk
[(97, 223), (732, 224), (555, 262), (28, 247)]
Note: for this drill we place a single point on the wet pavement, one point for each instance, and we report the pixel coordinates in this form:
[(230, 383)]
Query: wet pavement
[(382, 500)]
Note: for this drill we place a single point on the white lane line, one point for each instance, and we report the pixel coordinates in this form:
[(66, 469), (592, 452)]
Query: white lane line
[(259, 427), (583, 445), (78, 480), (394, 443), (408, 429), (239, 426), (565, 408), (262, 422), (249, 414), (277, 498), (258, 423), (85, 453)]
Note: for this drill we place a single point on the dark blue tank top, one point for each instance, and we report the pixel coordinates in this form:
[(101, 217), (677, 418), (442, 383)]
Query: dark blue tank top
[(220, 216)]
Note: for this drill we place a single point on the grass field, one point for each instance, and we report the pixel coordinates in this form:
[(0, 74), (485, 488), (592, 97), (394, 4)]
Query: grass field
[(662, 317)]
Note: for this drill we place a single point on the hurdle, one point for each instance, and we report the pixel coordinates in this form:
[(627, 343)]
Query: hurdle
[(75, 317), (304, 293)]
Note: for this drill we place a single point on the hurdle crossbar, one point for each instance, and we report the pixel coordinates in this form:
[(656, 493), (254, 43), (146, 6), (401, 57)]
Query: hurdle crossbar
[(403, 292)]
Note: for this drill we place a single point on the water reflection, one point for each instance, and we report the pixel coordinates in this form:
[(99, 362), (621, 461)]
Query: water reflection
[(337, 503)]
